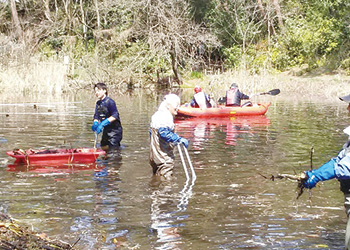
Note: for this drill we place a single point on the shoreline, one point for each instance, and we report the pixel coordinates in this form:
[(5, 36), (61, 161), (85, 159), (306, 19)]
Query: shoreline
[(311, 87)]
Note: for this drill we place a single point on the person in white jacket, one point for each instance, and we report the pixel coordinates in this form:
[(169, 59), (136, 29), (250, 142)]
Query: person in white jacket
[(163, 138)]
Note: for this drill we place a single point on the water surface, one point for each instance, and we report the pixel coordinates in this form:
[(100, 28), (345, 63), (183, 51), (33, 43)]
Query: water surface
[(230, 206)]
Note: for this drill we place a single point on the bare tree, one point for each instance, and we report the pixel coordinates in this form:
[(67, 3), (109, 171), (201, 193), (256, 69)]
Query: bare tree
[(47, 10), (277, 7), (265, 15), (97, 15), (270, 14), (15, 21), (167, 28)]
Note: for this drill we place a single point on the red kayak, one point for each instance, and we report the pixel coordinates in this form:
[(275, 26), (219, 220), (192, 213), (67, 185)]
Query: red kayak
[(223, 111), (56, 156)]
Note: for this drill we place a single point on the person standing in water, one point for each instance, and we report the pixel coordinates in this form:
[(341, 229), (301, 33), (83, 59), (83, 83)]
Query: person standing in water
[(163, 138), (106, 119), (337, 167)]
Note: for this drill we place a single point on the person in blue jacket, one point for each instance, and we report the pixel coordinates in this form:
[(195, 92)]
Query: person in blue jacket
[(106, 119), (338, 167), (163, 138)]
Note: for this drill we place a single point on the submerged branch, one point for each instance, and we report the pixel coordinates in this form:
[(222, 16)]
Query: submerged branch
[(300, 178)]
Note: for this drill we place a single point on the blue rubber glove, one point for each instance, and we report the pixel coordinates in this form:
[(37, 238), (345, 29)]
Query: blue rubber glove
[(94, 126), (168, 135), (104, 123), (323, 173), (184, 142)]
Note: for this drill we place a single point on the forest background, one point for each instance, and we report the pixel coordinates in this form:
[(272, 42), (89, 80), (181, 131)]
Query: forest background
[(54, 46)]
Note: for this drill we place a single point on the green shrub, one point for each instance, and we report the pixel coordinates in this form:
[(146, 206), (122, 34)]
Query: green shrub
[(233, 56), (196, 75)]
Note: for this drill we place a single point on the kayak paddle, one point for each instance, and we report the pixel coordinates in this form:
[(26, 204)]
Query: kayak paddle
[(222, 100), (271, 92), (345, 98)]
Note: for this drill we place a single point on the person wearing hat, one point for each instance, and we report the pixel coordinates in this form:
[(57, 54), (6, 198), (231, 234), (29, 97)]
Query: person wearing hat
[(234, 96), (200, 99), (163, 138), (346, 99), (339, 168)]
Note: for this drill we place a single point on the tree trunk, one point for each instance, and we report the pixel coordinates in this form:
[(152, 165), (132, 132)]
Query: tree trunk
[(15, 21), (277, 7), (261, 8), (97, 15), (265, 16), (174, 65), (83, 23), (47, 10)]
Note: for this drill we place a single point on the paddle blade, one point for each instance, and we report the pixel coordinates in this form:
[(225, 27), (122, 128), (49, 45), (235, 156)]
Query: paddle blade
[(345, 98), (272, 92)]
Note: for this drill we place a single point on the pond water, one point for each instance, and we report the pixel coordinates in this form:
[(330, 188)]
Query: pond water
[(117, 203)]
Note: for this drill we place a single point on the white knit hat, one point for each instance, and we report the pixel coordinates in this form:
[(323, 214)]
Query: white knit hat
[(172, 99)]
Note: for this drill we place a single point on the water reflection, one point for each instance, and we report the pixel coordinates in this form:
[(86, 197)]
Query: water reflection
[(166, 218), (168, 212), (105, 200), (200, 130), (57, 169)]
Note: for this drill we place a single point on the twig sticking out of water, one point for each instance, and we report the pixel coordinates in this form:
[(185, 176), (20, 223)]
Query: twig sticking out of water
[(311, 154)]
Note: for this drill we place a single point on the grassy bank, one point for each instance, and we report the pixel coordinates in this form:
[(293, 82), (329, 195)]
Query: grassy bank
[(54, 77)]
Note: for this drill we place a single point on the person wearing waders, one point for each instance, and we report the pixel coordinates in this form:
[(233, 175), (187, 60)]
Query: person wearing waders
[(234, 96), (106, 119), (339, 168), (163, 138), (200, 99)]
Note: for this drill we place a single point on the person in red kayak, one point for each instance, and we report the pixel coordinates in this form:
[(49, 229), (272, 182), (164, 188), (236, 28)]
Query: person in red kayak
[(106, 119), (234, 96), (163, 138), (200, 99), (346, 99)]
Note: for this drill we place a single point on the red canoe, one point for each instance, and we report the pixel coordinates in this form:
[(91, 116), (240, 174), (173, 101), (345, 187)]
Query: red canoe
[(223, 111), (56, 156)]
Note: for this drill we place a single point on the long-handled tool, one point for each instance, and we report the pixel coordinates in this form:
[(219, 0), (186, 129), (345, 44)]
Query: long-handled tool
[(186, 192), (183, 162), (193, 173), (194, 176), (95, 142)]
